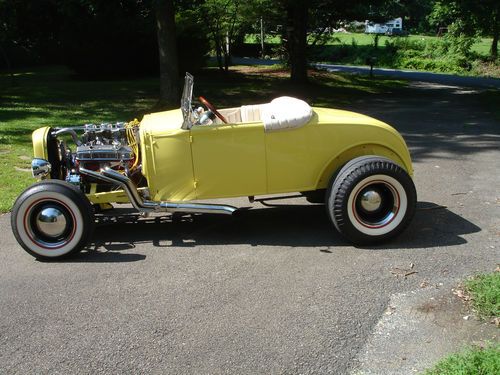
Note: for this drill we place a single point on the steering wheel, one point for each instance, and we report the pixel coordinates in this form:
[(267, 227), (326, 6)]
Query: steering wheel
[(211, 107)]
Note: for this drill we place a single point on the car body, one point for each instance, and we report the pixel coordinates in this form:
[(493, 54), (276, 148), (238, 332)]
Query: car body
[(175, 157)]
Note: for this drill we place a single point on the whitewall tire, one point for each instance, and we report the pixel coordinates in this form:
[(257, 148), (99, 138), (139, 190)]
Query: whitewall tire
[(52, 219), (372, 199)]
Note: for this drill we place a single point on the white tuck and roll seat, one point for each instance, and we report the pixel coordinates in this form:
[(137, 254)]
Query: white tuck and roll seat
[(281, 113)]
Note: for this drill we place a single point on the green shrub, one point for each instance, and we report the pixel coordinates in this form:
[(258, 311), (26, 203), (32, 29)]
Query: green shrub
[(473, 361), (450, 54), (485, 293)]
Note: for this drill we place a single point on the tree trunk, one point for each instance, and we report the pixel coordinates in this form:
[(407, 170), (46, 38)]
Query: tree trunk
[(227, 62), (262, 45), (218, 52), (9, 66), (494, 44), (227, 54), (167, 47), (297, 39)]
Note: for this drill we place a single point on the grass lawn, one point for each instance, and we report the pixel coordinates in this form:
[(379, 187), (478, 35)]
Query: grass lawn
[(485, 293), (415, 52), (52, 97), (473, 361), (45, 97), (482, 46)]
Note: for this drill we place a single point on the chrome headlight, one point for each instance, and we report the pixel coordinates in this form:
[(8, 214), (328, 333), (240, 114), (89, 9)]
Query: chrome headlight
[(40, 168)]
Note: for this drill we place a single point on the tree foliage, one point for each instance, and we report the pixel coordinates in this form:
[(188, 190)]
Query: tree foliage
[(109, 37), (468, 18), (224, 19), (318, 16), (29, 30), (118, 37), (96, 37)]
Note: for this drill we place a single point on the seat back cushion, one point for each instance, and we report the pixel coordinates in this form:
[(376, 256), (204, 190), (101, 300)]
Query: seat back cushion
[(285, 113), (250, 113), (232, 115)]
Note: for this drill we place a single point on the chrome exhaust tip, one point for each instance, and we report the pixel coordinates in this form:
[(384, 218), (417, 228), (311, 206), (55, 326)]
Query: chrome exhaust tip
[(141, 205), (201, 208)]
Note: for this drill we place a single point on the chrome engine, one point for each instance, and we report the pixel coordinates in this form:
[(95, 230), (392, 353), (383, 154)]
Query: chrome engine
[(101, 146), (105, 153), (104, 133), (104, 145)]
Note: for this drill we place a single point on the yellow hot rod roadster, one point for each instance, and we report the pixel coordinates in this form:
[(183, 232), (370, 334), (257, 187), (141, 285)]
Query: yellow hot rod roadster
[(358, 166)]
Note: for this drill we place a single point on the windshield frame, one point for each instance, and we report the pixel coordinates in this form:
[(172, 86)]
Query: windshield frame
[(186, 102)]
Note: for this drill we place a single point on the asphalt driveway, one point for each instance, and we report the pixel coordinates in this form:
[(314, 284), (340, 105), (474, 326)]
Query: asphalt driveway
[(439, 78), (273, 289)]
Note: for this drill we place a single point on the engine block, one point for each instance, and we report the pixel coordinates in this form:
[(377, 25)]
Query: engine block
[(103, 153), (104, 145)]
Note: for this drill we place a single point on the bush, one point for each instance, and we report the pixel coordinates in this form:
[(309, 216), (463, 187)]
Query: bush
[(474, 361), (485, 293), (449, 54), (486, 68)]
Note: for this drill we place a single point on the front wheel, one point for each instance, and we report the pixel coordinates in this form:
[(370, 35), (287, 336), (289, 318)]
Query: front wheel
[(52, 219), (371, 200)]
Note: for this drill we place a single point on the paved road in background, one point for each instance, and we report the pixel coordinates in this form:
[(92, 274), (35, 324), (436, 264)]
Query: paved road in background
[(445, 79), (273, 289)]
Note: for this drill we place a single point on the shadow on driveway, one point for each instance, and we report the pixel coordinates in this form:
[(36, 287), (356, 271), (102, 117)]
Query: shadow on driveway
[(286, 226)]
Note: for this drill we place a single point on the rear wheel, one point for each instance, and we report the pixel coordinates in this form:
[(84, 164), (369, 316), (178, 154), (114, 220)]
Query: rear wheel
[(371, 200), (52, 219)]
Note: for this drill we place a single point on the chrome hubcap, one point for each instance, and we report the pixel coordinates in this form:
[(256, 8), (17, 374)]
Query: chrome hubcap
[(376, 204), (371, 200), (51, 222)]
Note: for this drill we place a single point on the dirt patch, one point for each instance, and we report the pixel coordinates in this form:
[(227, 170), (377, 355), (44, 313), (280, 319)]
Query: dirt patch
[(419, 328)]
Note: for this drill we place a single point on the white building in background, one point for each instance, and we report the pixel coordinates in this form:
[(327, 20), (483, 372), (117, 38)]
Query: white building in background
[(382, 28)]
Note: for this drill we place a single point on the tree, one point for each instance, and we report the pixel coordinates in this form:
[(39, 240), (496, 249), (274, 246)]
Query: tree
[(7, 30), (169, 69), (224, 19), (28, 32), (109, 38), (485, 18), (415, 14), (470, 17), (296, 38), (319, 15)]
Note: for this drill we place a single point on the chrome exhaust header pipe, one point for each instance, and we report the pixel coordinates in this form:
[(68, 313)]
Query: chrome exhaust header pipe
[(141, 205)]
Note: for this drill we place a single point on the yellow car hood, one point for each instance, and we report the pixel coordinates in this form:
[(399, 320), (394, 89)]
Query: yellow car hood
[(162, 121)]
